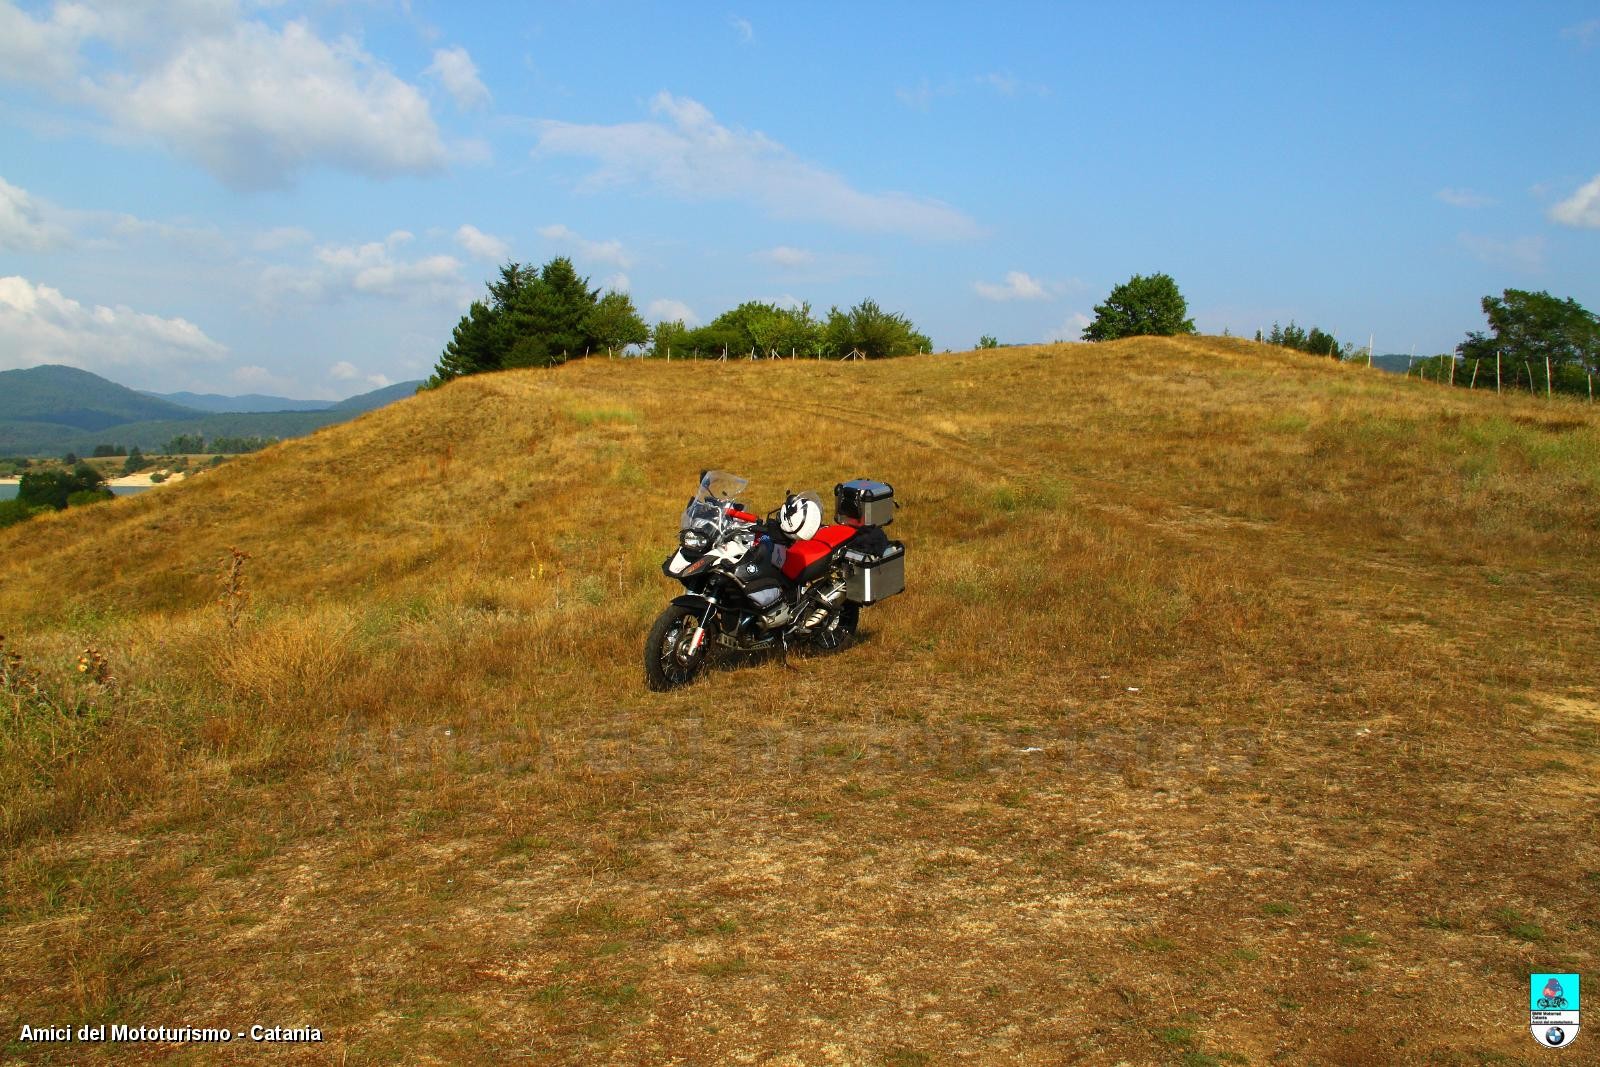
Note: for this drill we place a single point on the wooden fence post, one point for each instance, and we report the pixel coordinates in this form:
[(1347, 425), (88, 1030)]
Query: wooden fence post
[(1547, 393), (1497, 372), (1474, 383)]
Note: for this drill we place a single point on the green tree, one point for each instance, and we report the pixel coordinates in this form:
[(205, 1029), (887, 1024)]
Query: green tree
[(52, 488), (1141, 306), (758, 327), (988, 341), (668, 338), (875, 333), (477, 345), (135, 461), (561, 308), (613, 322), (1319, 343), (1528, 328), (186, 444), (1290, 336), (531, 319)]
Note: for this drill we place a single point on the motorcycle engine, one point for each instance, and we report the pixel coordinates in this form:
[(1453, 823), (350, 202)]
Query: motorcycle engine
[(778, 615)]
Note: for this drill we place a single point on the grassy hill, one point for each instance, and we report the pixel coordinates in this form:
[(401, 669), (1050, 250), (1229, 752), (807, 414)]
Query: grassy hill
[(1241, 708)]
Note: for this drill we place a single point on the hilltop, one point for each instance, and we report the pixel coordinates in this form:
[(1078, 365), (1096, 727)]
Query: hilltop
[(71, 399), (53, 409), (1215, 724)]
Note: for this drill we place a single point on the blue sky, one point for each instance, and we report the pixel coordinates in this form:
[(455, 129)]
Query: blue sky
[(301, 198)]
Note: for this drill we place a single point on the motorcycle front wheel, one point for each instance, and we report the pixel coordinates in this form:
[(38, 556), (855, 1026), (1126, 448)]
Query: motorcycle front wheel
[(669, 659)]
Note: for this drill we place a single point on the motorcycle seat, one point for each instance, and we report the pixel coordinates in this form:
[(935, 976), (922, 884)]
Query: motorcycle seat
[(802, 554)]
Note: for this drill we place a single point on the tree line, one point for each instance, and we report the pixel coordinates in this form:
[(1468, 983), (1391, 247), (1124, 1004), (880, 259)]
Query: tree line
[(542, 317), (45, 490), (546, 316), (1535, 341)]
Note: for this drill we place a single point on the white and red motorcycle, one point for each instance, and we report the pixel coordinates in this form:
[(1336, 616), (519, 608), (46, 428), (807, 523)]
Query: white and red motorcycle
[(752, 583)]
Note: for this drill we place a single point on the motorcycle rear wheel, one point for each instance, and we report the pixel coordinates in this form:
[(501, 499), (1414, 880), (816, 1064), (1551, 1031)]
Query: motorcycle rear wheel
[(840, 629), (667, 662)]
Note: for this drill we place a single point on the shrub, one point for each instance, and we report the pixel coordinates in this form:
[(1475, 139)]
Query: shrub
[(13, 512)]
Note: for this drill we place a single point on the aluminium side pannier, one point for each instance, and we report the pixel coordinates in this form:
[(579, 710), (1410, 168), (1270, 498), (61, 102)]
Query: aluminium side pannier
[(871, 577)]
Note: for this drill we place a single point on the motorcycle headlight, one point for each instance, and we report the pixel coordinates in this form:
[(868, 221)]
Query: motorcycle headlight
[(693, 541)]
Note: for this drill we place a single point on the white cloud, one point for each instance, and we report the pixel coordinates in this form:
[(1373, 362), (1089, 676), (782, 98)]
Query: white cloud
[(1004, 84), (618, 282), (1070, 330), (596, 251), (345, 371), (1585, 33), (459, 75), (671, 311), (785, 256), (256, 106), (258, 379), (39, 324), (689, 154), (1008, 84), (746, 31), (1582, 208), (281, 237), (41, 50), (252, 104), (371, 269), (1523, 253), (1462, 198), (22, 227), (30, 224), (482, 245), (921, 96), (1017, 286)]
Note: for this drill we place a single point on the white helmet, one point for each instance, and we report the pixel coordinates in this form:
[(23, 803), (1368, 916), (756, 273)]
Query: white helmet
[(801, 516)]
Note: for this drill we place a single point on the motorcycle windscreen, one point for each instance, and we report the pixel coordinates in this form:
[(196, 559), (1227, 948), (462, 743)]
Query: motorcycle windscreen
[(716, 490)]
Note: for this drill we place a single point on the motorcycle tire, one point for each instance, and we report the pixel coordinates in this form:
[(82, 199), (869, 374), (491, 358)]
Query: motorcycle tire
[(665, 667), (839, 631)]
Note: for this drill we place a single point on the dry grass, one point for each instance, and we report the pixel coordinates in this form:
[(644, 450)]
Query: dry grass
[(1211, 729)]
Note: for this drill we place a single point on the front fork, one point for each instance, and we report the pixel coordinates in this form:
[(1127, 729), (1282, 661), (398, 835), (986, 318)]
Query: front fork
[(693, 642)]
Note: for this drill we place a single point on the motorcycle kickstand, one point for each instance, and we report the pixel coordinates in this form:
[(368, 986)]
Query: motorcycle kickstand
[(783, 643)]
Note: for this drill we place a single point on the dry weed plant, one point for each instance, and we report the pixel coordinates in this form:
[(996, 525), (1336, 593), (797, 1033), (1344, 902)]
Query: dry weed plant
[(235, 597)]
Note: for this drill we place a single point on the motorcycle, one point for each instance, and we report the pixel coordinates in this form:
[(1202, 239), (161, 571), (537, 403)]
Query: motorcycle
[(752, 584)]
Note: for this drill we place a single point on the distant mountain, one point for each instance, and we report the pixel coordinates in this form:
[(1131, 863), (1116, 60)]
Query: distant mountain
[(73, 398), (52, 410), (379, 397), (249, 402), (1393, 362)]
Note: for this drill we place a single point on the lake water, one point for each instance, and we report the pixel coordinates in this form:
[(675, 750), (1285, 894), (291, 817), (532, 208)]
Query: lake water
[(8, 490)]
